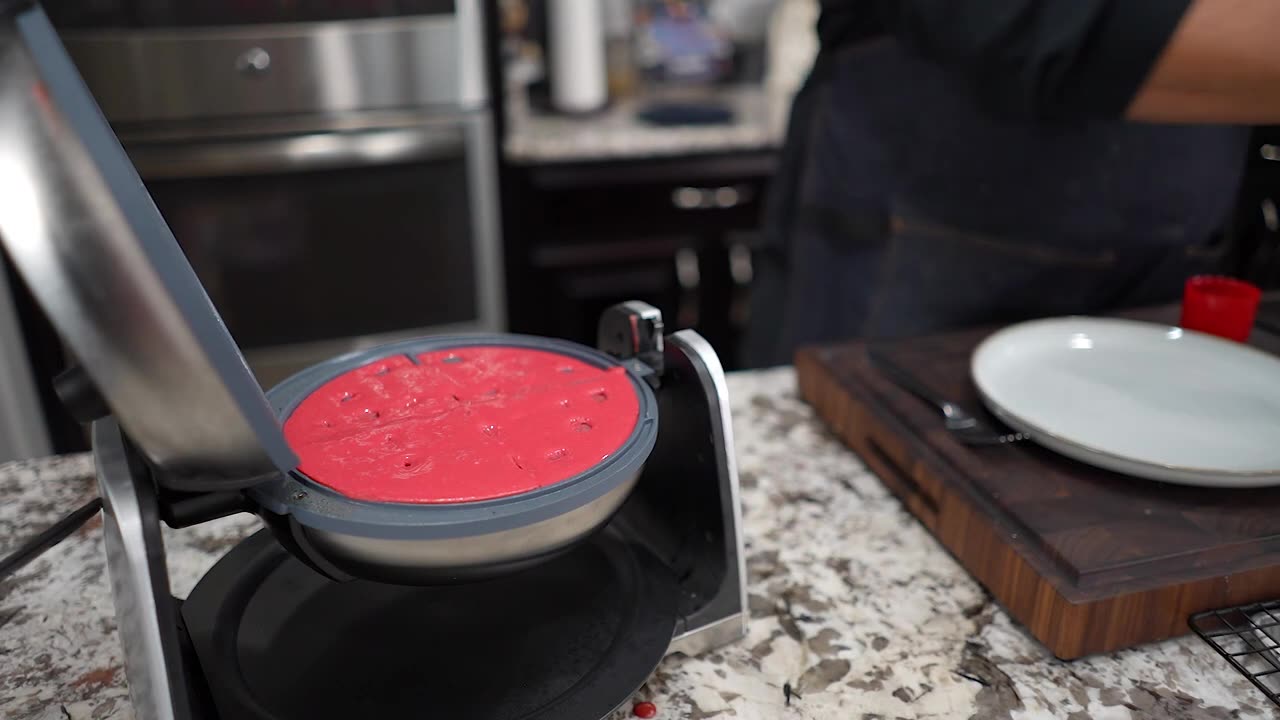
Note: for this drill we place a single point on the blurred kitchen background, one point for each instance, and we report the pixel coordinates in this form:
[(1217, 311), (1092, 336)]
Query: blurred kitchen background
[(343, 172)]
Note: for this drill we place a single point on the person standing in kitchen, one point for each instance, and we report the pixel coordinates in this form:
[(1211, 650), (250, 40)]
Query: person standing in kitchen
[(957, 162)]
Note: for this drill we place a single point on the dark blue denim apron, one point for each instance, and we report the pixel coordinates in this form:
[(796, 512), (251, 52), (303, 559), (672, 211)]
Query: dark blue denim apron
[(903, 208)]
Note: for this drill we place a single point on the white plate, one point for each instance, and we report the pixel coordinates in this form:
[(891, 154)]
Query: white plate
[(1147, 400)]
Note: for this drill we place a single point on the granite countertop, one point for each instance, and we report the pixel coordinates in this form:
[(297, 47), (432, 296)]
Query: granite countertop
[(852, 603), (615, 133)]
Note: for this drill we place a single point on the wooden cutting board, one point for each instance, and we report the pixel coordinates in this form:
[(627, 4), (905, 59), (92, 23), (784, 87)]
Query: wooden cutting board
[(1087, 560)]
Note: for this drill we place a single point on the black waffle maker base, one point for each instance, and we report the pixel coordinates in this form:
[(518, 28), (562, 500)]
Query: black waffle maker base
[(572, 638)]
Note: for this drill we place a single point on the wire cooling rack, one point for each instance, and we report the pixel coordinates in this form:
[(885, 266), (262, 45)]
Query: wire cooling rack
[(1248, 637)]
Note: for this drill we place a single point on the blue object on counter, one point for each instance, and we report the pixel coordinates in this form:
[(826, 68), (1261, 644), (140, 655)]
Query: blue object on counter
[(688, 113)]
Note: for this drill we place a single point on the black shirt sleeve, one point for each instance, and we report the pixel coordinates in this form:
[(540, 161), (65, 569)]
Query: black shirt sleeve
[(1032, 58)]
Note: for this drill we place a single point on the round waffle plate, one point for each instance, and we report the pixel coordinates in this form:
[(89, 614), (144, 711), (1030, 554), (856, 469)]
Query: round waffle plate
[(573, 638), (464, 423), (319, 507), (428, 542)]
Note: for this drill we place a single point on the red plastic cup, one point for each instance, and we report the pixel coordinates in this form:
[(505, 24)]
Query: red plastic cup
[(1220, 306)]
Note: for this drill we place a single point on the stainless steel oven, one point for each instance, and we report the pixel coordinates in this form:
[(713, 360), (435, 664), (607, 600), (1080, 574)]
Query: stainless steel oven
[(328, 167)]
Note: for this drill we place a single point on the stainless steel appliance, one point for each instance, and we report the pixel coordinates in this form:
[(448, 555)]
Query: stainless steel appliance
[(23, 430), (327, 168), (183, 434)]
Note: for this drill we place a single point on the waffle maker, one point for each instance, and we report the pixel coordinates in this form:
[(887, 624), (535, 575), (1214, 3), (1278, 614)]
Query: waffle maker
[(554, 599)]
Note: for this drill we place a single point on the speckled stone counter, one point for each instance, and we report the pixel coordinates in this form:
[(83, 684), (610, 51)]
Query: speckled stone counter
[(852, 603), (616, 133)]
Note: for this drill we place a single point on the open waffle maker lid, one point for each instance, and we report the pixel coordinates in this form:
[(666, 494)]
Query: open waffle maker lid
[(83, 232)]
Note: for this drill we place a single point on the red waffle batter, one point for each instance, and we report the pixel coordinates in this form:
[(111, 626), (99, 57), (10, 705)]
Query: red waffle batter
[(461, 425)]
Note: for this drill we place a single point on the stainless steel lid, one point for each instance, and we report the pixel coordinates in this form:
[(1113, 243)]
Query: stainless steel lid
[(88, 240)]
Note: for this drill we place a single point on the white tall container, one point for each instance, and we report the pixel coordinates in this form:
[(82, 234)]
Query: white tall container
[(575, 33), (792, 42)]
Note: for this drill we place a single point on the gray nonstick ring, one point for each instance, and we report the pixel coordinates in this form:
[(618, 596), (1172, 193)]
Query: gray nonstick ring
[(316, 506)]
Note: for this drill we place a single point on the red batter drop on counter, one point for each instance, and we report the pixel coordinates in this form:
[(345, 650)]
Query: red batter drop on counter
[(461, 425)]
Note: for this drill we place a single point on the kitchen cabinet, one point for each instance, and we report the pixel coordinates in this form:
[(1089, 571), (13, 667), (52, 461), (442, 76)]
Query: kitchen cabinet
[(609, 207), (1258, 217), (675, 232)]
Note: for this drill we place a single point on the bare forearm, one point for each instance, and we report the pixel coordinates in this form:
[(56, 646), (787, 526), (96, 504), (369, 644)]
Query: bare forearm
[(1222, 65)]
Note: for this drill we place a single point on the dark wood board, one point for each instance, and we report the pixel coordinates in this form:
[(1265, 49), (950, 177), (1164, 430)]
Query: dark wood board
[(1087, 560)]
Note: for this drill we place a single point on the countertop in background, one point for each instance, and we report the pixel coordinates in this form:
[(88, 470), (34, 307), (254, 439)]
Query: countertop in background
[(616, 133)]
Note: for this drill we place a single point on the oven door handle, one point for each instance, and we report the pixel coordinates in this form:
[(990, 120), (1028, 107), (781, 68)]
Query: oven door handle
[(295, 153)]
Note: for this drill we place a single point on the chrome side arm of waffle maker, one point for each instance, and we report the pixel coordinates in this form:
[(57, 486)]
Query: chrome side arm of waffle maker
[(189, 436)]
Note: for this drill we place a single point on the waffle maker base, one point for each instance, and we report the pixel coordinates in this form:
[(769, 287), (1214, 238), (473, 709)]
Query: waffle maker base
[(572, 638)]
